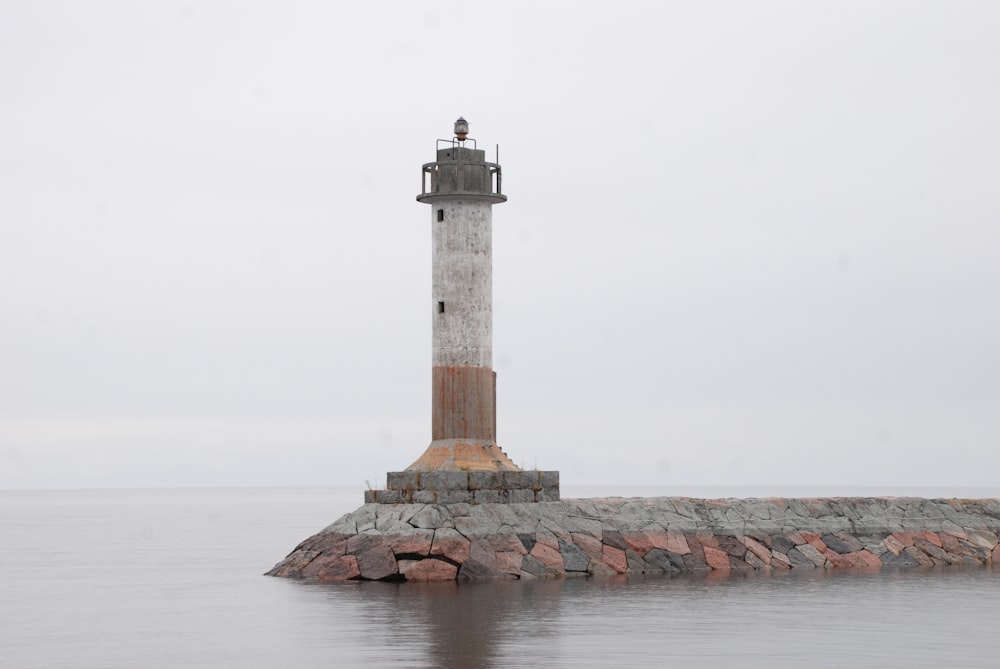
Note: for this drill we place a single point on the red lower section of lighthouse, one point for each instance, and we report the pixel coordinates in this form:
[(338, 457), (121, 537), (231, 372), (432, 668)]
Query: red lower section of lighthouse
[(464, 403), (463, 422)]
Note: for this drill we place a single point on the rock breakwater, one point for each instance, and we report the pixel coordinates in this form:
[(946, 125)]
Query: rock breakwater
[(662, 535)]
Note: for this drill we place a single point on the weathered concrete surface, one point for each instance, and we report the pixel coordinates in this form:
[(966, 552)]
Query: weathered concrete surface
[(673, 535), (472, 486), (462, 455)]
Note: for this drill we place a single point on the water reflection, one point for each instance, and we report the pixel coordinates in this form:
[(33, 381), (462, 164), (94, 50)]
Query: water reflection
[(582, 622), (445, 624)]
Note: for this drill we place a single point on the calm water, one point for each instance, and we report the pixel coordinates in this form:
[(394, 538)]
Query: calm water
[(170, 578)]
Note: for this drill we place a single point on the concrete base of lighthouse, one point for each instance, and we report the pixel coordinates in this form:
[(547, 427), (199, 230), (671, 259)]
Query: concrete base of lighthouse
[(463, 455), (455, 486), (471, 471)]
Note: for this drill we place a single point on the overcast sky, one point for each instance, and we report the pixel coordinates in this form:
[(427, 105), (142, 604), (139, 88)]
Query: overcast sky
[(751, 243)]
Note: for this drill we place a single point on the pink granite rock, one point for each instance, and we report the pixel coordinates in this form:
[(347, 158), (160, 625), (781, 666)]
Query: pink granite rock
[(838, 560), (377, 563), (707, 540), (450, 544), (417, 542), (550, 557), (779, 559), (508, 542), (328, 544), (615, 559), (904, 538), (547, 539), (758, 549), (365, 541), (921, 557), (716, 558), (676, 543), (638, 541), (509, 562), (657, 537), (933, 538), (938, 555), (864, 559), (340, 568), (427, 570), (949, 542), (814, 540), (696, 558), (894, 545), (591, 546), (733, 546), (813, 554), (320, 562), (755, 561)]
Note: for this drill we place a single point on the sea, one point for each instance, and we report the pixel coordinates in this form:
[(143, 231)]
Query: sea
[(174, 578)]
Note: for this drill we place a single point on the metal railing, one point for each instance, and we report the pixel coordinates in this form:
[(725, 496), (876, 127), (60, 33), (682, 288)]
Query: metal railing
[(496, 183)]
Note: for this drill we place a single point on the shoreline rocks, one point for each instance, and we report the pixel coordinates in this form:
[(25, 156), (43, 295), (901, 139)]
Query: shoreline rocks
[(661, 535)]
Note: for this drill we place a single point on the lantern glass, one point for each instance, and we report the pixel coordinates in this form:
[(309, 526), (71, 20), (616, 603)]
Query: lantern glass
[(461, 127)]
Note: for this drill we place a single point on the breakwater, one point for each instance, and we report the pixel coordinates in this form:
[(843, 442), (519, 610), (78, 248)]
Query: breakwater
[(661, 535)]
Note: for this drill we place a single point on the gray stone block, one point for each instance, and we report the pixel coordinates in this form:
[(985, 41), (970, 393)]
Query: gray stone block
[(798, 559), (521, 496), (573, 558), (532, 566), (401, 480), (453, 496), (781, 543), (665, 560), (444, 480), (519, 480), (370, 497), (390, 496), (424, 497), (842, 543), (457, 480), (613, 539), (550, 494), (486, 497), (902, 560), (484, 480), (549, 479)]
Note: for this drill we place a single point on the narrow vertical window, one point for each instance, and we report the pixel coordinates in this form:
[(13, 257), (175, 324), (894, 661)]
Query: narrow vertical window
[(440, 214), (440, 307)]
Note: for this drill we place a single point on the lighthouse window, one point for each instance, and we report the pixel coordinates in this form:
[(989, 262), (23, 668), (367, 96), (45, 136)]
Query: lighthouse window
[(440, 307), (440, 214)]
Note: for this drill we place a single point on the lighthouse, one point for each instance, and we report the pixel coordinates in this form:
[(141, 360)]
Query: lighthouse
[(461, 188), (463, 462)]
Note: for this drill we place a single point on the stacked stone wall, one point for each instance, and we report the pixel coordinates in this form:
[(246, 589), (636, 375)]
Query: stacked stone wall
[(607, 537), (467, 487)]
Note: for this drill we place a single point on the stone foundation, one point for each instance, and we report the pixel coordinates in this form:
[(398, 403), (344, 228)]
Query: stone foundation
[(663, 535), (468, 487)]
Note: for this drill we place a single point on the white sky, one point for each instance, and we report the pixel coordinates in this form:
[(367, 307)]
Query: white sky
[(746, 243)]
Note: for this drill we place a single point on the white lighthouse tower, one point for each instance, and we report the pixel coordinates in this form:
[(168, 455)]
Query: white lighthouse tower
[(463, 463), (462, 189)]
